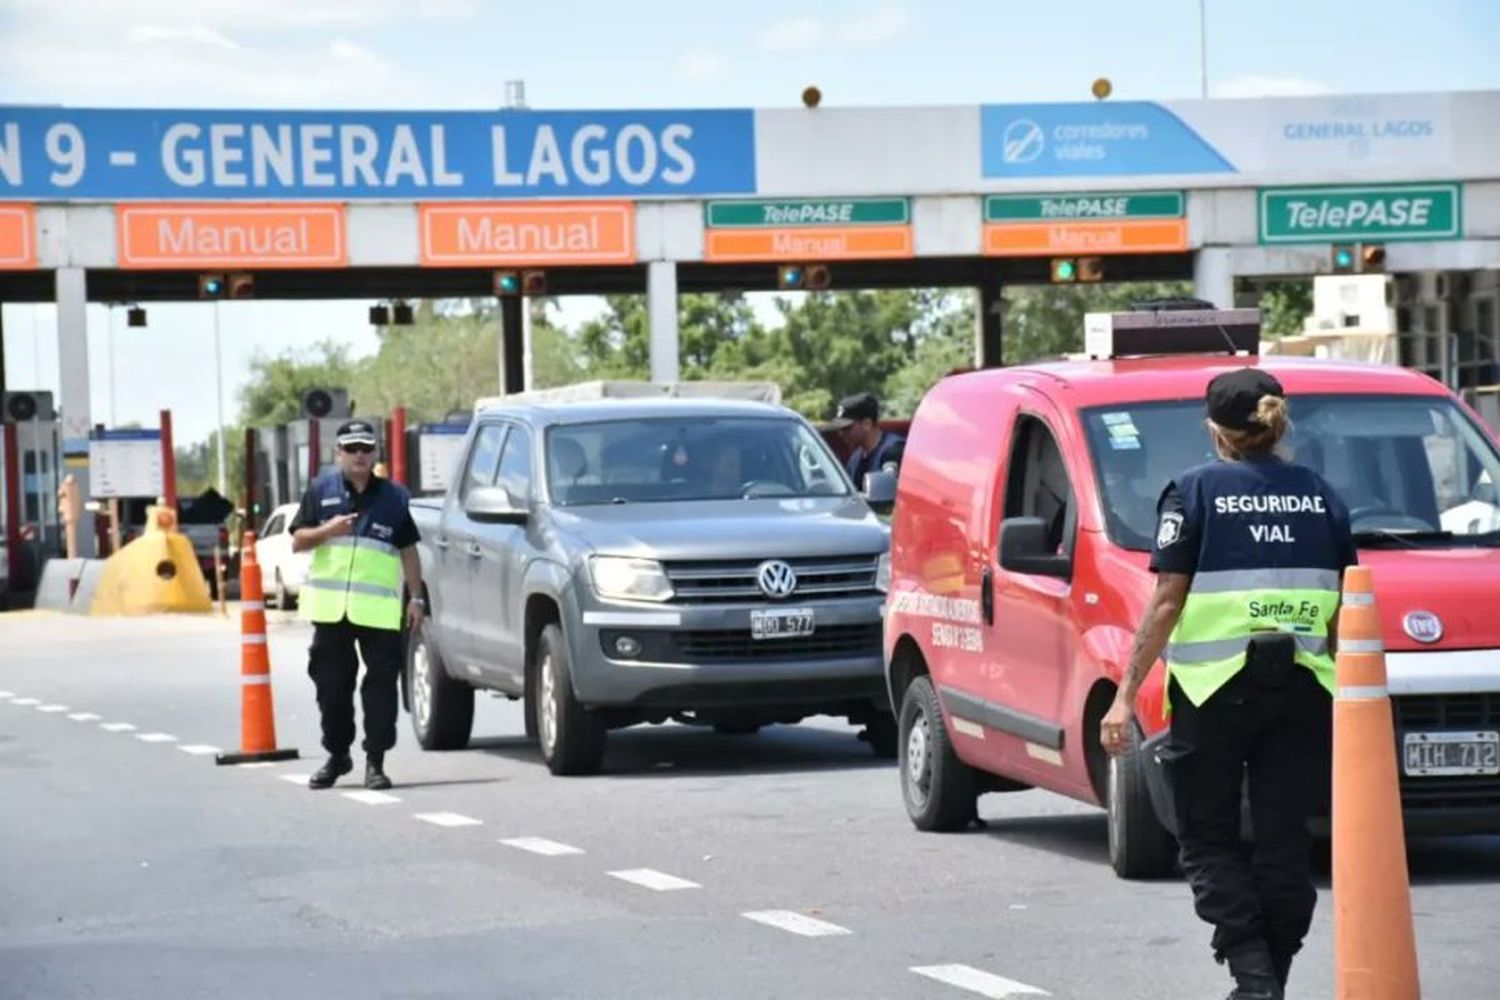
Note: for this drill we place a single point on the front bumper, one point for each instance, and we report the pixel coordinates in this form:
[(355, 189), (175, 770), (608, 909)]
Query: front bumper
[(702, 655)]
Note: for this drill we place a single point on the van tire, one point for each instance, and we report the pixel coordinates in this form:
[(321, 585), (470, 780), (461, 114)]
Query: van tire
[(1139, 845), (571, 737), (940, 791), (442, 709)]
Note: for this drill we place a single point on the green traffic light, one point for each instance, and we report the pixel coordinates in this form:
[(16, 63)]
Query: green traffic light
[(510, 284), (1066, 270), (1344, 258)]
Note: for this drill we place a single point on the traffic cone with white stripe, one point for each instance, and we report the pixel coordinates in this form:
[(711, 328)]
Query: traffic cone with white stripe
[(1375, 949), (257, 715)]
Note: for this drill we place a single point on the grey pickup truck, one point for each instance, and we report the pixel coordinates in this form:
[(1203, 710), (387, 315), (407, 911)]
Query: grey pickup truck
[(624, 561)]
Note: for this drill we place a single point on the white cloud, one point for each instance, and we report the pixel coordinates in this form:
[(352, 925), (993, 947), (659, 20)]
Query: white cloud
[(792, 35), (1256, 85), (147, 34), (702, 65), (884, 24)]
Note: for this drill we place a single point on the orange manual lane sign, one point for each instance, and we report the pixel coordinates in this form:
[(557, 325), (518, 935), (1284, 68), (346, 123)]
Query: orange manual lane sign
[(1095, 237), (261, 235), (516, 233), (17, 237)]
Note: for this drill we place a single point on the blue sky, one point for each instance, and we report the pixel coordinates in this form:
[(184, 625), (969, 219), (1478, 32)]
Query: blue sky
[(653, 53)]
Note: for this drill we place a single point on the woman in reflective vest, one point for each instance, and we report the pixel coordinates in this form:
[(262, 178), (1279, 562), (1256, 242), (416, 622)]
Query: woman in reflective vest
[(1249, 555)]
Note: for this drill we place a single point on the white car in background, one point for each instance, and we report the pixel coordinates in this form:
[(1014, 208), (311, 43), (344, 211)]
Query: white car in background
[(281, 570)]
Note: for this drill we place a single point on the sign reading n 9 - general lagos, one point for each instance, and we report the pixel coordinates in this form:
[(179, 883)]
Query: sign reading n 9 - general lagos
[(69, 154)]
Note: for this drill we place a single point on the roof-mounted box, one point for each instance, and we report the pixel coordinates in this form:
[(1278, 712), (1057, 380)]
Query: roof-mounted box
[(1147, 332)]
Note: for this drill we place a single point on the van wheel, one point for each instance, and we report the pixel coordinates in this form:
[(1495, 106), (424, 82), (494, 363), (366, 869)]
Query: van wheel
[(1139, 845), (442, 709), (571, 737), (940, 790)]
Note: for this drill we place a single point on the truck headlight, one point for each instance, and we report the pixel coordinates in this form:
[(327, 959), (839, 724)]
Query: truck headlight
[(629, 579), (883, 573)]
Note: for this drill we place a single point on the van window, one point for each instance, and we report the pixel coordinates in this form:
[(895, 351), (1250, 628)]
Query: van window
[(273, 527), (1413, 466), (1038, 483)]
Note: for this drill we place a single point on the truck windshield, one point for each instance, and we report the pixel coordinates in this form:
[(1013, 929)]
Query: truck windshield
[(688, 458), (1413, 470)]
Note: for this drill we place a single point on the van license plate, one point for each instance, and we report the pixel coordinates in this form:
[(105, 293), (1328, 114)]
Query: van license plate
[(788, 623), (1436, 755)]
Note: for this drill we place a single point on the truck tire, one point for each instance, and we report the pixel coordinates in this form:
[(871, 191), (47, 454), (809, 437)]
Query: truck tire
[(570, 736), (940, 791), (1139, 846), (442, 709)]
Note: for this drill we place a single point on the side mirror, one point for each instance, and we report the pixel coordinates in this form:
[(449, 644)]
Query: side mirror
[(1024, 549), (880, 490), (492, 505)]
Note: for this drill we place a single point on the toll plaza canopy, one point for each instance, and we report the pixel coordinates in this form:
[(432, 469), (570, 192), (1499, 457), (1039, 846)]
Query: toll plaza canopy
[(135, 204)]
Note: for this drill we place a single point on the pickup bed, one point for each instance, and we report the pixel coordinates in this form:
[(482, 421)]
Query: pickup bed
[(629, 561)]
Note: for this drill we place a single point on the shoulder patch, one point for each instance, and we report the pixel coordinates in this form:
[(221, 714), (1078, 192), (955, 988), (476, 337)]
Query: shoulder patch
[(1169, 530)]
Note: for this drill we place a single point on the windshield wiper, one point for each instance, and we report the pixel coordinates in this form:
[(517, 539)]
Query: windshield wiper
[(1411, 539)]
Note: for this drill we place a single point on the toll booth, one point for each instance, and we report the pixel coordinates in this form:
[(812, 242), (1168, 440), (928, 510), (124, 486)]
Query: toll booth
[(30, 474), (285, 455), (433, 452)]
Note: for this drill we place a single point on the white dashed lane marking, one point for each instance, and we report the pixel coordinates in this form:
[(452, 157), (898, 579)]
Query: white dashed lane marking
[(657, 881), (291, 779), (449, 819), (7, 695), (255, 765), (199, 749), (27, 701), (796, 923), (986, 984), (84, 717), (117, 727), (156, 738), (541, 845), (52, 709), (370, 797)]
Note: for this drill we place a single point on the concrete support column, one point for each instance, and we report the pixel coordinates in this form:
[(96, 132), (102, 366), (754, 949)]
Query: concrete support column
[(989, 333), (512, 344), (661, 315), (73, 376), (1213, 276)]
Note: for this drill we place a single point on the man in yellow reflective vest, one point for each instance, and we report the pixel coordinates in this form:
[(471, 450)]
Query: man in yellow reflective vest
[(359, 529)]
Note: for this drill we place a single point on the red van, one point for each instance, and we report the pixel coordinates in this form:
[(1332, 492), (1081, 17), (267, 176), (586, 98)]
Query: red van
[(1024, 518)]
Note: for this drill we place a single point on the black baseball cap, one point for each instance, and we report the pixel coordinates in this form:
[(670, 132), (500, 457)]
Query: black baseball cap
[(356, 432), (860, 406), (1234, 397)]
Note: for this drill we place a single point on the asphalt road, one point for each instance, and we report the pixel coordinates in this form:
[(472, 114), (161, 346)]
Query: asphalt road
[(697, 866)]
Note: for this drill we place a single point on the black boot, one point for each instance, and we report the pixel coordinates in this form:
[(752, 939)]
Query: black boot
[(375, 772), (333, 769), (1283, 964), (1254, 972)]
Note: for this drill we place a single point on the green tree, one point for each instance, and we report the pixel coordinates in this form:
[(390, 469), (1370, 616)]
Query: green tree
[(1047, 320), (446, 359), (1284, 305)]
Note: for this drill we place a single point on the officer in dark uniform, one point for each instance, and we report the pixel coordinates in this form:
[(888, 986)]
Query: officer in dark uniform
[(871, 449), (360, 531), (1249, 555)]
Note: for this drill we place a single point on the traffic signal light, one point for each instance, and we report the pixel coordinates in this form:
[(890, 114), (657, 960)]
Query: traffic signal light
[(135, 316), (533, 282), (401, 314), (1064, 270), (211, 286), (1372, 257), (380, 315), (242, 286), (509, 283), (1343, 258), (1090, 268), (803, 277)]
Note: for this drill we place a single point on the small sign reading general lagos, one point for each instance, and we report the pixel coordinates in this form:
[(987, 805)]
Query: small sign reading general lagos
[(812, 229), (1379, 213), (1025, 225)]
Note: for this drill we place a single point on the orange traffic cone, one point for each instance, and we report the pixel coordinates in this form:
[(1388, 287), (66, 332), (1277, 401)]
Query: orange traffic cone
[(257, 716), (1375, 949)]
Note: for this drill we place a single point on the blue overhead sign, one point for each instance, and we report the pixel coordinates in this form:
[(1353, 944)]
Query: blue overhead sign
[(1104, 139), (66, 154)]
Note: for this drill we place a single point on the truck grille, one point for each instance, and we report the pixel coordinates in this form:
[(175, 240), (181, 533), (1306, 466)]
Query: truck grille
[(735, 580), (828, 642), (1479, 710)]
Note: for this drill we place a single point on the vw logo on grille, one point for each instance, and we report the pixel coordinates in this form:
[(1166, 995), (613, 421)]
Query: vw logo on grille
[(1423, 626), (776, 578)]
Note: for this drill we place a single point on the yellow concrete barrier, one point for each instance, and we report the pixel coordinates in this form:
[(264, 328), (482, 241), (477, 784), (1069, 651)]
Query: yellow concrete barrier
[(158, 572)]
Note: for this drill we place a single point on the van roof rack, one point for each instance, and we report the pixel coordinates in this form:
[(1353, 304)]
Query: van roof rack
[(1170, 327)]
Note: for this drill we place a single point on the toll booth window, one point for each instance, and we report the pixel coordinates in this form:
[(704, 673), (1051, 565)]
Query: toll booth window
[(1038, 483)]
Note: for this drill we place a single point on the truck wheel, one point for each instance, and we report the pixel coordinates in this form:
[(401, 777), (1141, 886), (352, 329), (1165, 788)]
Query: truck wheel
[(571, 737), (880, 733), (442, 709), (940, 790), (1139, 846)]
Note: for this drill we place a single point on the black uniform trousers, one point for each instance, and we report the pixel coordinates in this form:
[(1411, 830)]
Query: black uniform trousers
[(1274, 738), (334, 668)]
